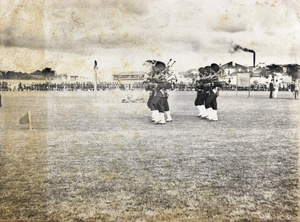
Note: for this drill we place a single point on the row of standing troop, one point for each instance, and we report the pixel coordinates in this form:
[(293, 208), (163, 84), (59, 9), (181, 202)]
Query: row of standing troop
[(160, 79)]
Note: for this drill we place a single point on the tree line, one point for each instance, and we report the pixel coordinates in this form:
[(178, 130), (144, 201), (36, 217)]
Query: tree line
[(46, 73), (293, 70)]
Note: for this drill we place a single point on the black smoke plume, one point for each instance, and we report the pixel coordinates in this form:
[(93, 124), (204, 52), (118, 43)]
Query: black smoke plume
[(237, 47)]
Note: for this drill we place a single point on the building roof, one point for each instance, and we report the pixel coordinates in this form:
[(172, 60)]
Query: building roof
[(129, 76), (232, 65), (256, 74), (129, 73)]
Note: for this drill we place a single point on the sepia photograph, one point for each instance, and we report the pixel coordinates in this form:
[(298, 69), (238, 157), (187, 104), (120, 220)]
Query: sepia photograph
[(150, 110)]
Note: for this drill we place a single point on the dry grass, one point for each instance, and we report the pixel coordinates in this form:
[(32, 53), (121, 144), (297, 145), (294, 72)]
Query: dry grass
[(105, 161)]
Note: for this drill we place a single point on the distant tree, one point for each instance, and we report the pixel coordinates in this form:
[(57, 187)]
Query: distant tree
[(264, 72), (37, 75), (191, 73), (3, 75), (11, 75), (275, 68), (48, 72), (293, 70)]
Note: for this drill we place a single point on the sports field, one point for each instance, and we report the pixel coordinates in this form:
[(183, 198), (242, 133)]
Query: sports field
[(105, 161)]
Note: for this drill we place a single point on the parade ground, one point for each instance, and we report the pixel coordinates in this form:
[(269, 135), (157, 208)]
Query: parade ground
[(94, 158)]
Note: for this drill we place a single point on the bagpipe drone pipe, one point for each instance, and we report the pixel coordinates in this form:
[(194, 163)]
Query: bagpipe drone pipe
[(209, 75), (160, 75), (159, 82)]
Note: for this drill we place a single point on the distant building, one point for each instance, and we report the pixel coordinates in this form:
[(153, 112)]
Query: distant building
[(286, 79), (261, 65), (231, 68), (74, 78), (258, 79), (129, 77)]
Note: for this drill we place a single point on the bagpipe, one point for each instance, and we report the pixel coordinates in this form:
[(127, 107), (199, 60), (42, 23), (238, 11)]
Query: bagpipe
[(209, 75), (169, 74), (160, 75)]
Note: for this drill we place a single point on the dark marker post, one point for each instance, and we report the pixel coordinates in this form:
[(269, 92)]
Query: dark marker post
[(0, 101), (95, 84)]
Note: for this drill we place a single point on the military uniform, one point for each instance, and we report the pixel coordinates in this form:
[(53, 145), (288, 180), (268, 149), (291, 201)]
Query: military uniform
[(158, 98), (207, 92), (201, 98)]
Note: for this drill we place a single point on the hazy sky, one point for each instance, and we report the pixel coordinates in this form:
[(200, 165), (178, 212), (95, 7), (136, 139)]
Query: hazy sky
[(121, 34)]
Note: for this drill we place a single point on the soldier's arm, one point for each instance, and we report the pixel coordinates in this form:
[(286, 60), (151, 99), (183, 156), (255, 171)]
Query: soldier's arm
[(164, 85)]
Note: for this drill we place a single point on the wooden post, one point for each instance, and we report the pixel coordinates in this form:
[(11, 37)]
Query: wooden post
[(95, 84)]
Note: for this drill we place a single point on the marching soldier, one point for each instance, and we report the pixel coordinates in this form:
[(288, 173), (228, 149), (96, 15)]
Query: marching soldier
[(201, 94), (166, 105), (211, 101), (154, 68), (208, 85), (157, 84)]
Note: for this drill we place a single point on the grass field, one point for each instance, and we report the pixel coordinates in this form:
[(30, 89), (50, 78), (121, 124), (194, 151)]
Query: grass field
[(105, 161)]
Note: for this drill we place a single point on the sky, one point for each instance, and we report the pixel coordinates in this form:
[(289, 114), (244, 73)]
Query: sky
[(69, 35)]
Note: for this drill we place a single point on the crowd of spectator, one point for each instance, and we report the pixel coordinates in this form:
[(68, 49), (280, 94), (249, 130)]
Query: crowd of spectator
[(67, 86), (89, 86)]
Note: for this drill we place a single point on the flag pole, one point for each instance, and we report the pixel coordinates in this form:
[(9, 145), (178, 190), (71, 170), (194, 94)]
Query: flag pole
[(236, 89), (95, 84), (249, 87)]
